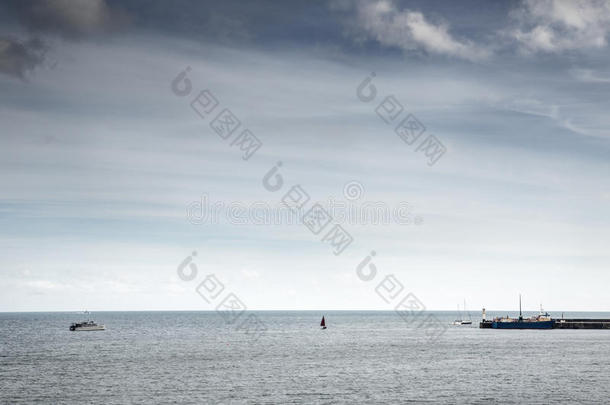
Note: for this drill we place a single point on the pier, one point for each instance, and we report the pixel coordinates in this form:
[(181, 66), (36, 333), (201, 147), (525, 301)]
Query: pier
[(560, 323), (567, 323), (581, 324)]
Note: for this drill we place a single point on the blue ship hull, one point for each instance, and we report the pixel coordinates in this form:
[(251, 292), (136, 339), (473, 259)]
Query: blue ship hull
[(523, 325)]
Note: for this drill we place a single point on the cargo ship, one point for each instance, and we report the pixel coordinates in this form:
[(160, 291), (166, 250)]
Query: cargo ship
[(535, 322), (541, 321)]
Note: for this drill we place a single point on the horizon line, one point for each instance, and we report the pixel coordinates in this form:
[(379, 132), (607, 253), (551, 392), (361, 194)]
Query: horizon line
[(289, 310)]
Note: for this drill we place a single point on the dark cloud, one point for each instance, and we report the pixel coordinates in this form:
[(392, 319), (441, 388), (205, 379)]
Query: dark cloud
[(70, 19), (223, 22), (262, 23), (17, 58)]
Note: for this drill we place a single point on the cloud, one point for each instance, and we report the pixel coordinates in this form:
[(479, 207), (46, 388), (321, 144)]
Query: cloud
[(536, 107), (42, 284), (410, 30), (559, 25), (17, 58), (590, 76), (250, 274), (70, 19)]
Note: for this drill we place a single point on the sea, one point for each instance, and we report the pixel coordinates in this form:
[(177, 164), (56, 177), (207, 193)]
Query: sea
[(363, 357)]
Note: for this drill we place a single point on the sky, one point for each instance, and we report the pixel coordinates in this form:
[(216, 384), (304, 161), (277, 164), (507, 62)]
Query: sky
[(108, 174)]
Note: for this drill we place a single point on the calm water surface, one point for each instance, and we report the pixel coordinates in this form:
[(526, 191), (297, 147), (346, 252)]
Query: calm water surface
[(363, 357)]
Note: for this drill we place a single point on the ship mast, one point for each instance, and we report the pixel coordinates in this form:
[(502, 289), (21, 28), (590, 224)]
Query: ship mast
[(520, 314)]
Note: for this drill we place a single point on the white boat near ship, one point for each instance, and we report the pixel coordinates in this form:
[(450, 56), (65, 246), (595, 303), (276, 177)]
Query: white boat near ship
[(461, 320)]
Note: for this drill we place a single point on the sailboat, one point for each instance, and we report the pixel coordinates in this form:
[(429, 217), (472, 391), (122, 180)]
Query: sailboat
[(323, 324), (460, 320)]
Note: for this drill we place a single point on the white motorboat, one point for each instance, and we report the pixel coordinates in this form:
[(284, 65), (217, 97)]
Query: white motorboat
[(86, 326)]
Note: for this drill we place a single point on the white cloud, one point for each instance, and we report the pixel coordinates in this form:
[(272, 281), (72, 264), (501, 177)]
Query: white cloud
[(408, 30), (250, 274), (43, 284), (590, 76), (558, 25)]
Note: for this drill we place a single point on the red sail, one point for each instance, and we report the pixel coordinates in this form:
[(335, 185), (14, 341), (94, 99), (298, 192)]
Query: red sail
[(322, 323)]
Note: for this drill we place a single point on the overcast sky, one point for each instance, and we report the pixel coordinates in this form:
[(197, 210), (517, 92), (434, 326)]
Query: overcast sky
[(100, 160)]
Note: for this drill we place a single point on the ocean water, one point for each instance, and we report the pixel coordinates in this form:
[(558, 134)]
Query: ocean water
[(363, 357)]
